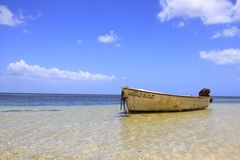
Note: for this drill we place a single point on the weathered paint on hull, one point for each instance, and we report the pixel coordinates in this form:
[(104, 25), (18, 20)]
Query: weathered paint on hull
[(147, 101)]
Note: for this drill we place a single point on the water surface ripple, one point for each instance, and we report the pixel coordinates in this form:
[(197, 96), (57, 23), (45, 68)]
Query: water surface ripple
[(101, 132)]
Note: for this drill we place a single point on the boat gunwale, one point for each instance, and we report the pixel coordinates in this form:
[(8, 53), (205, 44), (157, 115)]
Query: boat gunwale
[(166, 94)]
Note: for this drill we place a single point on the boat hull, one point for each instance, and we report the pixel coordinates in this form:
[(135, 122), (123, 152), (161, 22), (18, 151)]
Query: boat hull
[(147, 101)]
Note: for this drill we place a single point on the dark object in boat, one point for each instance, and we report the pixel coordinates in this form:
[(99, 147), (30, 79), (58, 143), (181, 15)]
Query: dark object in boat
[(211, 100), (204, 92)]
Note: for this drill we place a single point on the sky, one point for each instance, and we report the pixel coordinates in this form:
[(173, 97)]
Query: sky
[(98, 46)]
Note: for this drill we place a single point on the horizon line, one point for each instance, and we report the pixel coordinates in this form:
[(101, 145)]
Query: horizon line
[(83, 94), (58, 93)]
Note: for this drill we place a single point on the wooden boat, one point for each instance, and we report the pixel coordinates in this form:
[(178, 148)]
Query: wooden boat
[(139, 100)]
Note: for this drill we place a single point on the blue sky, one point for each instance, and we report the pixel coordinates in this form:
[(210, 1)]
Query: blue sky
[(92, 46)]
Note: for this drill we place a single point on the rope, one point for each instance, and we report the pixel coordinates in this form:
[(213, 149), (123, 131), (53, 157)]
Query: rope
[(123, 103)]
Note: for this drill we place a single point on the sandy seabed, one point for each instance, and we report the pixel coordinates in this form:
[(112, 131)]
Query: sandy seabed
[(101, 132)]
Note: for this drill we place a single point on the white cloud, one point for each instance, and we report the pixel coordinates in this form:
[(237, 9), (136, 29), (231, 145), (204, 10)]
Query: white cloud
[(108, 38), (208, 11), (216, 35), (25, 16), (221, 57), (8, 18), (24, 70), (229, 32), (25, 31), (79, 41), (181, 24), (118, 45)]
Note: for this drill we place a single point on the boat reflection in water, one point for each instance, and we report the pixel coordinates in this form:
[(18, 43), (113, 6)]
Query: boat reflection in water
[(167, 135)]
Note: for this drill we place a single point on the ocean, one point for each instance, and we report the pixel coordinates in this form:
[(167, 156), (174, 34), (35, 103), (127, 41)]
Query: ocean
[(72, 126)]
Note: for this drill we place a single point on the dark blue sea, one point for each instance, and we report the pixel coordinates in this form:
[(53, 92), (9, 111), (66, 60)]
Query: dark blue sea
[(12, 99)]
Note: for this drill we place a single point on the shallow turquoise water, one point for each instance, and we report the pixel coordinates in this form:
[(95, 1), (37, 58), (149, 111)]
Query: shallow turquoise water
[(101, 132)]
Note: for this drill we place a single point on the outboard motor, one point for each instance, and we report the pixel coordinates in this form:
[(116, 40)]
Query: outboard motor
[(205, 92)]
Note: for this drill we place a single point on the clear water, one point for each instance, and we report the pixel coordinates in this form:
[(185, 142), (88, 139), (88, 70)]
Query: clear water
[(57, 99), (91, 127)]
